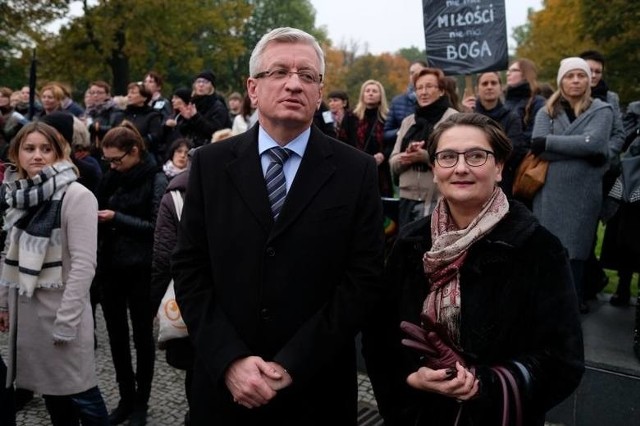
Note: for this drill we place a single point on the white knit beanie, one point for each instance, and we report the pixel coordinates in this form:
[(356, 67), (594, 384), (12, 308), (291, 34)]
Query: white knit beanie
[(573, 63)]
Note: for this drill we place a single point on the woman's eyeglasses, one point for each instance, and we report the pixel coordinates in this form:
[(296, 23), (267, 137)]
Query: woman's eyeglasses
[(474, 157), (116, 160)]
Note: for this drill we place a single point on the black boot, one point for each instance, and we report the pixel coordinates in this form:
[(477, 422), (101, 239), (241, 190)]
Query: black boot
[(125, 405), (636, 331), (138, 416), (623, 293), (121, 412)]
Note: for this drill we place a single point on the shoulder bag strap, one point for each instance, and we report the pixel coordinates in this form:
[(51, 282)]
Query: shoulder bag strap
[(178, 202)]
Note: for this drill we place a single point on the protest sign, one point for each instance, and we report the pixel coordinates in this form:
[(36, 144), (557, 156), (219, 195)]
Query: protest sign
[(466, 36)]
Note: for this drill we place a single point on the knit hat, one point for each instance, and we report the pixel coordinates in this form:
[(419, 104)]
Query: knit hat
[(207, 75), (573, 63), (62, 122), (184, 94)]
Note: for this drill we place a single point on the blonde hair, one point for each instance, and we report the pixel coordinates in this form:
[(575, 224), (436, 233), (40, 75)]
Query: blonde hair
[(80, 140), (58, 143), (221, 134), (554, 106), (383, 108)]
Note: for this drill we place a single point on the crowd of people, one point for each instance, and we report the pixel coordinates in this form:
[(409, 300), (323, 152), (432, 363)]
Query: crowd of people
[(280, 255)]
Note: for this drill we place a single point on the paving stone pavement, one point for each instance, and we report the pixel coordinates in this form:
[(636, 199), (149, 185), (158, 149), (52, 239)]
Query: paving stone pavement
[(167, 405)]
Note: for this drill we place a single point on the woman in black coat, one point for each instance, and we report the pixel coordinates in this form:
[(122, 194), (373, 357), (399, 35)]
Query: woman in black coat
[(147, 120), (489, 284), (179, 352), (207, 112), (128, 196)]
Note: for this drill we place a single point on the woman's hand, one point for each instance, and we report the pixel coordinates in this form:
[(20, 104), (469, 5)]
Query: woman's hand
[(469, 104), (415, 153), (4, 321), (379, 157), (170, 122), (458, 383), (105, 215)]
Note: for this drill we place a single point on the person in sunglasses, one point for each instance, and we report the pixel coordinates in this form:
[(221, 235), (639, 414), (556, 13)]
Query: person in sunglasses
[(128, 199), (478, 290)]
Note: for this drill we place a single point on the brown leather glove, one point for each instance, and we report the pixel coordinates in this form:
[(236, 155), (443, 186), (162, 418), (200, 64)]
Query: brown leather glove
[(438, 353)]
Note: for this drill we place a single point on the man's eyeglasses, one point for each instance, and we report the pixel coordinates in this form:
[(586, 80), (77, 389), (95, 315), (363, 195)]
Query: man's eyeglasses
[(305, 76), (116, 160), (474, 157)]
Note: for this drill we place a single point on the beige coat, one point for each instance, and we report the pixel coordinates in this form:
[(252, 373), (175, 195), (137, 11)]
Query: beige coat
[(414, 184), (37, 363)]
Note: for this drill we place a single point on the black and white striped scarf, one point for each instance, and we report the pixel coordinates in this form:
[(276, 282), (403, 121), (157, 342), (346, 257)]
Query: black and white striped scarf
[(34, 245)]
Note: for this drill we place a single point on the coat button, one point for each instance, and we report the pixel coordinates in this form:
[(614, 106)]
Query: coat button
[(271, 251)]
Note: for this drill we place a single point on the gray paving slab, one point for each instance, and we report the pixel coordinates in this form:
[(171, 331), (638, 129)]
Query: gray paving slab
[(167, 405)]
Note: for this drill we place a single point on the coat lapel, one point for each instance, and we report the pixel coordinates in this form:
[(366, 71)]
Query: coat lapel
[(314, 171), (245, 172)]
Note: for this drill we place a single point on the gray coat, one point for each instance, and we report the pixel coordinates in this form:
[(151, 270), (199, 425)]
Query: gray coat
[(569, 202), (63, 313)]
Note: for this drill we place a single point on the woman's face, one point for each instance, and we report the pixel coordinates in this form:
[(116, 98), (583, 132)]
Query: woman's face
[(575, 84), (466, 188), (371, 95), (4, 100), (178, 104), (427, 90), (120, 160), (49, 101), (134, 97), (514, 74), (180, 157), (336, 105), (36, 152), (203, 86)]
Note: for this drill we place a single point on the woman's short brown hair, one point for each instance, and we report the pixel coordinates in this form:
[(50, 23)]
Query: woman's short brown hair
[(500, 143), (436, 72), (142, 89)]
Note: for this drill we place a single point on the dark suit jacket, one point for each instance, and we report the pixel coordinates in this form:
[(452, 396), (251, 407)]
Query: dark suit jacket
[(295, 292)]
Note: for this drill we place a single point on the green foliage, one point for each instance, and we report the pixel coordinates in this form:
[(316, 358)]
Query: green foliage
[(413, 54), (614, 27)]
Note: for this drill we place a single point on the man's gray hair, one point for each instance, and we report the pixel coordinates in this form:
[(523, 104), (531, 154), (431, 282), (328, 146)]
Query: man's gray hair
[(283, 35)]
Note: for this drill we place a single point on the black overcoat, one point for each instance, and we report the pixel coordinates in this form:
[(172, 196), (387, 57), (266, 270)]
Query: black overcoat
[(295, 291), (518, 305)]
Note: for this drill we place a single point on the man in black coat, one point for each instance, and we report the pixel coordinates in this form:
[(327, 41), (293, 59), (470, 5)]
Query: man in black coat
[(273, 295)]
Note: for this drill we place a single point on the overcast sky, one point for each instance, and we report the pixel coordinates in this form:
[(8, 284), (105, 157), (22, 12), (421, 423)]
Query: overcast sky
[(389, 25)]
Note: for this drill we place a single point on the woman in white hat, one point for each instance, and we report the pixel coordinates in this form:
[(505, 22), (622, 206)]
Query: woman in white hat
[(572, 133)]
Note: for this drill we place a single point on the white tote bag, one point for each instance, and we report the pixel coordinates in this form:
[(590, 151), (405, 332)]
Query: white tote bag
[(171, 325)]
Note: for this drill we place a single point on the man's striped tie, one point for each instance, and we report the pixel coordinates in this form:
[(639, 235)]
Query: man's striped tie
[(276, 183)]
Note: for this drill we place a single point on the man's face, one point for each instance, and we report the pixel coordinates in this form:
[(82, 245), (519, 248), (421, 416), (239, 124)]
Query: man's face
[(285, 99), (150, 84), (413, 70), (596, 71)]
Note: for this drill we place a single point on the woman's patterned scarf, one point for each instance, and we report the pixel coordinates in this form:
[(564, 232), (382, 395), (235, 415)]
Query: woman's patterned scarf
[(34, 243), (448, 252)]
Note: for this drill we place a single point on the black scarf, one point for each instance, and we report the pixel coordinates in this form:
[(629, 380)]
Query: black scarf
[(496, 114), (426, 119), (521, 91), (600, 91)]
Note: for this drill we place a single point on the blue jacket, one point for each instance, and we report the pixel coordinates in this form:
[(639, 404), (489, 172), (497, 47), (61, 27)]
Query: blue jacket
[(401, 106)]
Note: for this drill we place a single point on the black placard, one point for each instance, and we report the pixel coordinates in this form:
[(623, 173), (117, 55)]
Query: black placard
[(466, 36)]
